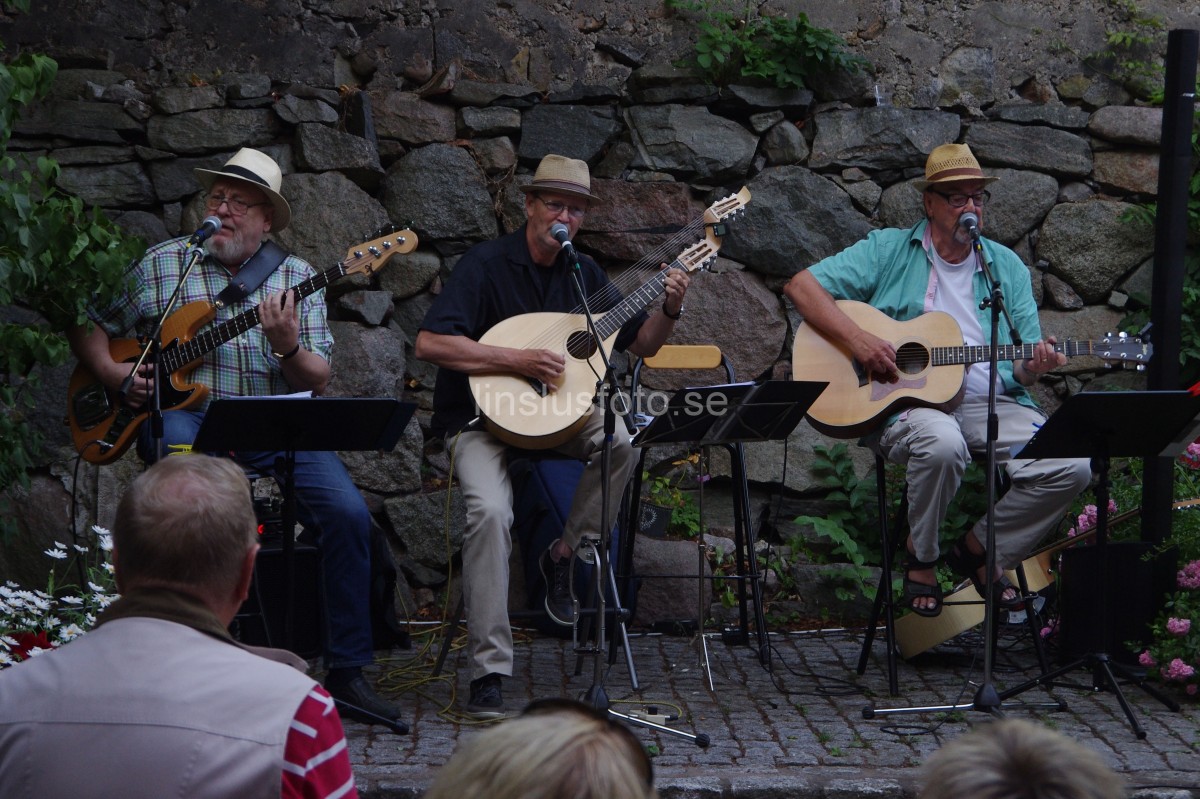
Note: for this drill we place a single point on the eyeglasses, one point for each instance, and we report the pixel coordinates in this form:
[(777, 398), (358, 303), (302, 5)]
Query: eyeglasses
[(556, 208), (237, 207), (960, 200)]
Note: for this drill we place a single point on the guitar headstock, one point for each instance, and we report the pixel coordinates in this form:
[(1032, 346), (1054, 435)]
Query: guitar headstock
[(1122, 348), (371, 255), (701, 254)]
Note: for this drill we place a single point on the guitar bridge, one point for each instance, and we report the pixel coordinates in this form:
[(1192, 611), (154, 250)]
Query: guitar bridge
[(538, 386)]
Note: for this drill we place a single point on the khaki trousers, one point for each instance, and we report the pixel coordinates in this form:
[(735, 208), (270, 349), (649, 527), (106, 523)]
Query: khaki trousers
[(481, 465), (936, 447)]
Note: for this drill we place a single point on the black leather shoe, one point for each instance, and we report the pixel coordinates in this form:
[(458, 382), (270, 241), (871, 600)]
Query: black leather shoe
[(357, 700)]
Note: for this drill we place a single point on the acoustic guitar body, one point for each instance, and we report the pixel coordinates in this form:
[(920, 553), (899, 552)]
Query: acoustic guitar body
[(522, 412)]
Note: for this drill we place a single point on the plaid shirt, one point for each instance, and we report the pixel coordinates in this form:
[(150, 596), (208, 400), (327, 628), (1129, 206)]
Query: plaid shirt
[(242, 366)]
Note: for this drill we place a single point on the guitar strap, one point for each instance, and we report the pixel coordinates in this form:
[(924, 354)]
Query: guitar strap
[(252, 274)]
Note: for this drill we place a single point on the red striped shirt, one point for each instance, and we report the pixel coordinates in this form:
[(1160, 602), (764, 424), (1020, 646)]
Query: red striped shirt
[(316, 763)]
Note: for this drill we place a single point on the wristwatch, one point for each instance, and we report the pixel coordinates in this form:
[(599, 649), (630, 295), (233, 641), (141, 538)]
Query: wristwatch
[(669, 315)]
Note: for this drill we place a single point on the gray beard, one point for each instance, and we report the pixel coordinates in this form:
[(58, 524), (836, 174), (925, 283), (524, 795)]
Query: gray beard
[(228, 252)]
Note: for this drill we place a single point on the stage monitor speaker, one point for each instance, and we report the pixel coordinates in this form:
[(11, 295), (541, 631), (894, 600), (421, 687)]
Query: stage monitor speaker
[(1130, 595), (260, 620)]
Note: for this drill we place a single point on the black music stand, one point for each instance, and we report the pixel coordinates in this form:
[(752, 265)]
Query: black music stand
[(300, 424), (731, 415), (1102, 425)]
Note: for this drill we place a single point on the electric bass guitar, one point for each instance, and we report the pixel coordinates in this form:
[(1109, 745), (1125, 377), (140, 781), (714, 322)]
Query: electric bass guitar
[(527, 413), (102, 427), (931, 360)]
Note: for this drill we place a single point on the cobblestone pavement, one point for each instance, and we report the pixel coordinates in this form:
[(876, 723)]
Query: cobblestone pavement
[(797, 730)]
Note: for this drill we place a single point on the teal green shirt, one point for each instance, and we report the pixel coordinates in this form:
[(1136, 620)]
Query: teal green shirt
[(891, 270)]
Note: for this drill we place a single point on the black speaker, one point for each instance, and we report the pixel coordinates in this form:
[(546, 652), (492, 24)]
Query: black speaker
[(1130, 597), (260, 620)]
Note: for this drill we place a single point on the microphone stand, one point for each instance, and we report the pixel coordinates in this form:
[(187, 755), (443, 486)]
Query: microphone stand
[(153, 349), (596, 695), (986, 698)]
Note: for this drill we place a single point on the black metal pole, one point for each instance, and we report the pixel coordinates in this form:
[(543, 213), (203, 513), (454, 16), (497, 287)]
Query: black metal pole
[(1170, 239)]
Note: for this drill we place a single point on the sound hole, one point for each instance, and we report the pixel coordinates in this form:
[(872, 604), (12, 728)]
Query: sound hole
[(911, 358), (580, 345)]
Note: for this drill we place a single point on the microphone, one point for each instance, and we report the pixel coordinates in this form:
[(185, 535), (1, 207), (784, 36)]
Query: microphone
[(207, 229), (562, 235), (970, 223)]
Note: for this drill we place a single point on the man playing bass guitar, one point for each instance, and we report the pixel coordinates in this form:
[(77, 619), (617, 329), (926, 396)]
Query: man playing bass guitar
[(931, 267), (287, 352), (525, 272)]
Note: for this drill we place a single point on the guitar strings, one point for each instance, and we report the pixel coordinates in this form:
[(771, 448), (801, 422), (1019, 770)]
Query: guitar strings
[(633, 278)]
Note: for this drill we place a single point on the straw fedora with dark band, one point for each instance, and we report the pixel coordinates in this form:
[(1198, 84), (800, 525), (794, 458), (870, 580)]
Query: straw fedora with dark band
[(258, 169), (563, 175), (951, 163)]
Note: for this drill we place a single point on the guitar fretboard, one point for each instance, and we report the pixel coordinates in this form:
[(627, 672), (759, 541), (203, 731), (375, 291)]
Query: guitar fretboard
[(945, 356), (205, 342), (627, 308)]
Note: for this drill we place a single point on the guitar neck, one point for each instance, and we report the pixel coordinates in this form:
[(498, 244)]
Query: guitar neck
[(629, 307), (945, 356), (203, 343)]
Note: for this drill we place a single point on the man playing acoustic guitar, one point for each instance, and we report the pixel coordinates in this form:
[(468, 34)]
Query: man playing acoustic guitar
[(525, 272), (932, 267), (288, 352)]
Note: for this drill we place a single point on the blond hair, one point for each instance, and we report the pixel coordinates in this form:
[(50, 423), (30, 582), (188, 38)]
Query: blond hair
[(186, 522), (1015, 759), (555, 750)]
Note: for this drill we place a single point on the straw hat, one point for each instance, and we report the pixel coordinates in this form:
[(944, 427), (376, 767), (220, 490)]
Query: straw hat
[(563, 175), (951, 163), (259, 170)]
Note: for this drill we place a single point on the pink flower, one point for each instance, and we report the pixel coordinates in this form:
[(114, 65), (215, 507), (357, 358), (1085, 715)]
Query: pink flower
[(1191, 457), (1178, 626), (1177, 671), (1189, 575), (1050, 629), (1191, 689), (1071, 533), (1146, 659)]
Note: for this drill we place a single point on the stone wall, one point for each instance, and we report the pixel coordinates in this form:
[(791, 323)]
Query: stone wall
[(428, 114)]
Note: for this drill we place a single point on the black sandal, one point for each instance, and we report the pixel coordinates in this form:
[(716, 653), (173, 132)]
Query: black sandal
[(915, 590), (967, 563)]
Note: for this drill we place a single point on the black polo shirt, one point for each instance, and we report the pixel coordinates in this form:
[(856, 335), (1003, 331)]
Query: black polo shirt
[(492, 282)]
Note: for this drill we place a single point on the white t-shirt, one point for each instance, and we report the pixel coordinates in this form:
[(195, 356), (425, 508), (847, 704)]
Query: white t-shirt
[(956, 296)]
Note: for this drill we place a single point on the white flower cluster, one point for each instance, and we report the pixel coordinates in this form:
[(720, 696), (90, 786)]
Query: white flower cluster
[(35, 621)]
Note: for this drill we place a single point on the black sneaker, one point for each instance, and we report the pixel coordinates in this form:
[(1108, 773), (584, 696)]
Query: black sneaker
[(557, 574), (486, 702)]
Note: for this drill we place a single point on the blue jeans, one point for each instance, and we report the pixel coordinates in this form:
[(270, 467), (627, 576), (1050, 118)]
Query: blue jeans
[(329, 504)]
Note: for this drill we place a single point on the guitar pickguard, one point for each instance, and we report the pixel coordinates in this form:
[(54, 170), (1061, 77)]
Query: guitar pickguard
[(881, 391)]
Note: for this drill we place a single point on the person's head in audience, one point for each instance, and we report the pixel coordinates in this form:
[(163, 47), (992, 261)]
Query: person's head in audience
[(204, 503), (1016, 759), (556, 749)]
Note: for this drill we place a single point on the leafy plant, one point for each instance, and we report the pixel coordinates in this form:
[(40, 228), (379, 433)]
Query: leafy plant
[(1173, 655), (722, 567), (737, 40), (849, 526), (1132, 56), (56, 256), (671, 490)]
